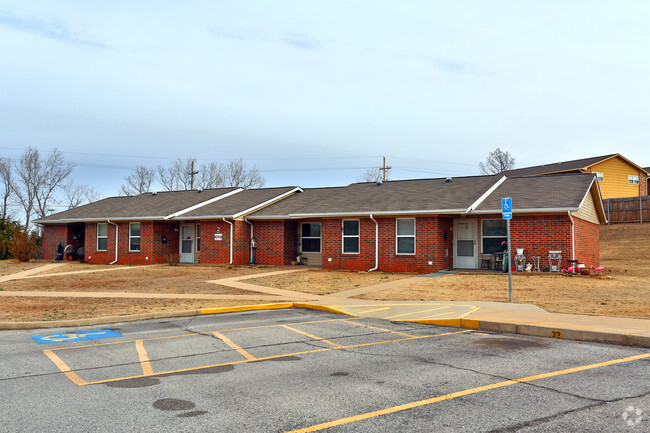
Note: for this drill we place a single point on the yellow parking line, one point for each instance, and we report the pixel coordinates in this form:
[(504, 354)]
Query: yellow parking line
[(144, 358), (324, 349), (229, 342), (64, 368), (454, 313), (312, 336), (469, 312), (379, 329), (373, 311), (415, 312), (457, 394)]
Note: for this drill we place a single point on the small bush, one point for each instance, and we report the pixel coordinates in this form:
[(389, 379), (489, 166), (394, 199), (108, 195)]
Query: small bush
[(173, 259), (23, 247)]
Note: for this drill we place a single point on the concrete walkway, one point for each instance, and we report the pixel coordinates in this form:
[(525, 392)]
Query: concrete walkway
[(489, 316)]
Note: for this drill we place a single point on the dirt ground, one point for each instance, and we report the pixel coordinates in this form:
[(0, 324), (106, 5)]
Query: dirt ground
[(21, 309), (625, 291), (327, 282)]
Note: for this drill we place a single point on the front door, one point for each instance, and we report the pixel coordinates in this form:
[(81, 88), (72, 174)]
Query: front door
[(465, 244), (187, 243)]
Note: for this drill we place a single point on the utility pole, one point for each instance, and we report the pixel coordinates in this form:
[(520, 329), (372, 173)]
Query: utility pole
[(384, 169), (192, 173)]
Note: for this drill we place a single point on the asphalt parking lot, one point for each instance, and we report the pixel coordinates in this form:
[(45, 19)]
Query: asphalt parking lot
[(302, 370)]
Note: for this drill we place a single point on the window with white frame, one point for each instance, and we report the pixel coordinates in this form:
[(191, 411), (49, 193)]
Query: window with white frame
[(633, 179), (311, 237), (405, 234), (600, 176), (134, 237), (350, 236), (102, 237), (494, 235), (198, 238)]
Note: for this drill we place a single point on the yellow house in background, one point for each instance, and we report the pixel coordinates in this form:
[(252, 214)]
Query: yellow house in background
[(617, 175)]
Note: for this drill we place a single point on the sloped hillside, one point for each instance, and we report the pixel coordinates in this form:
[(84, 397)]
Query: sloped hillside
[(625, 249)]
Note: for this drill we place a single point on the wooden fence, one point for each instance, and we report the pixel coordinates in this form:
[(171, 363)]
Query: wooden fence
[(628, 209)]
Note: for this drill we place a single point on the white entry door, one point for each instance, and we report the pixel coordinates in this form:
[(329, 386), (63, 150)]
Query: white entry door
[(187, 243), (465, 256)]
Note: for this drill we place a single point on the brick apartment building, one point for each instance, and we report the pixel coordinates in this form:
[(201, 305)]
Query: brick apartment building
[(421, 225)]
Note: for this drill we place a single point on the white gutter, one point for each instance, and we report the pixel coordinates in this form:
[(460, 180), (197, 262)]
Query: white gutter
[(530, 210), (268, 202), (116, 232), (573, 237), (376, 245), (231, 230), (204, 203), (250, 224), (362, 214), (486, 194)]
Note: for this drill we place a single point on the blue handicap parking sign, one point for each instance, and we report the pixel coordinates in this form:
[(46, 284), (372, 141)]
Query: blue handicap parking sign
[(506, 208), (75, 336)]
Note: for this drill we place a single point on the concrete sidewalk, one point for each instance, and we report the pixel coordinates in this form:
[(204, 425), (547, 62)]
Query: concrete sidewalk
[(511, 318)]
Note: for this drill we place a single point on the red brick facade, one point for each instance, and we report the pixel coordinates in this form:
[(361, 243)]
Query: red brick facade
[(278, 242), (430, 245)]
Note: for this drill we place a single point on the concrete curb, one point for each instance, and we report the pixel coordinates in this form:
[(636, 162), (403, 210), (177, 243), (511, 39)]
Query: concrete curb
[(4, 326), (543, 331)]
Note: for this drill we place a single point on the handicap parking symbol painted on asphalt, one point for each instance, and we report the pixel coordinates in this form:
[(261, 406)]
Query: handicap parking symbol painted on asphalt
[(75, 336)]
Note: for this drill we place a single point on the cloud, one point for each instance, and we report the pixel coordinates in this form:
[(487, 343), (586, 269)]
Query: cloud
[(296, 40), (51, 30), (454, 67), (302, 41)]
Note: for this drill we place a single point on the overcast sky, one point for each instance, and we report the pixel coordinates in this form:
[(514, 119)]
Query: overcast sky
[(313, 92)]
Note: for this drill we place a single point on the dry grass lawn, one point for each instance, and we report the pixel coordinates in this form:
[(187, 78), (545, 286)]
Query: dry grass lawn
[(21, 309), (625, 252), (326, 282)]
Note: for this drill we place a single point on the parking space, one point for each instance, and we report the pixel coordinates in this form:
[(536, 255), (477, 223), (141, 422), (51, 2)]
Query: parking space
[(298, 370), (91, 364)]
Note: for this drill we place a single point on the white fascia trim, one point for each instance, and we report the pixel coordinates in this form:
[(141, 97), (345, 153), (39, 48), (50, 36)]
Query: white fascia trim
[(587, 193), (204, 203), (93, 220), (602, 207), (486, 194), (203, 217), (382, 213), (268, 202), (531, 210)]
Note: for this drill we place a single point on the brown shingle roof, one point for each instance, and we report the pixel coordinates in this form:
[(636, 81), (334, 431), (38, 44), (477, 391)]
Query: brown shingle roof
[(240, 202), (560, 191), (423, 195), (142, 206), (557, 167)]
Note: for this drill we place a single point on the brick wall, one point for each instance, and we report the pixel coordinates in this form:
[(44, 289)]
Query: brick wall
[(540, 234), (53, 235), (643, 183), (587, 242), (430, 246), (276, 242)]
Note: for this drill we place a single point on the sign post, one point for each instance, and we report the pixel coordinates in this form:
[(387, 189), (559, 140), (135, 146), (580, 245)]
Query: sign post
[(506, 213)]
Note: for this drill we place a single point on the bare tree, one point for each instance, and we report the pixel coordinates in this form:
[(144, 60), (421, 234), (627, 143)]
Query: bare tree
[(374, 174), (178, 176), (74, 195), (497, 162), (5, 184), (211, 176), (38, 179), (138, 182), (236, 174)]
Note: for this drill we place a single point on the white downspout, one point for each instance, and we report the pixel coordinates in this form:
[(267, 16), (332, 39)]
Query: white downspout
[(573, 237), (116, 232), (231, 241), (376, 244), (251, 249)]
